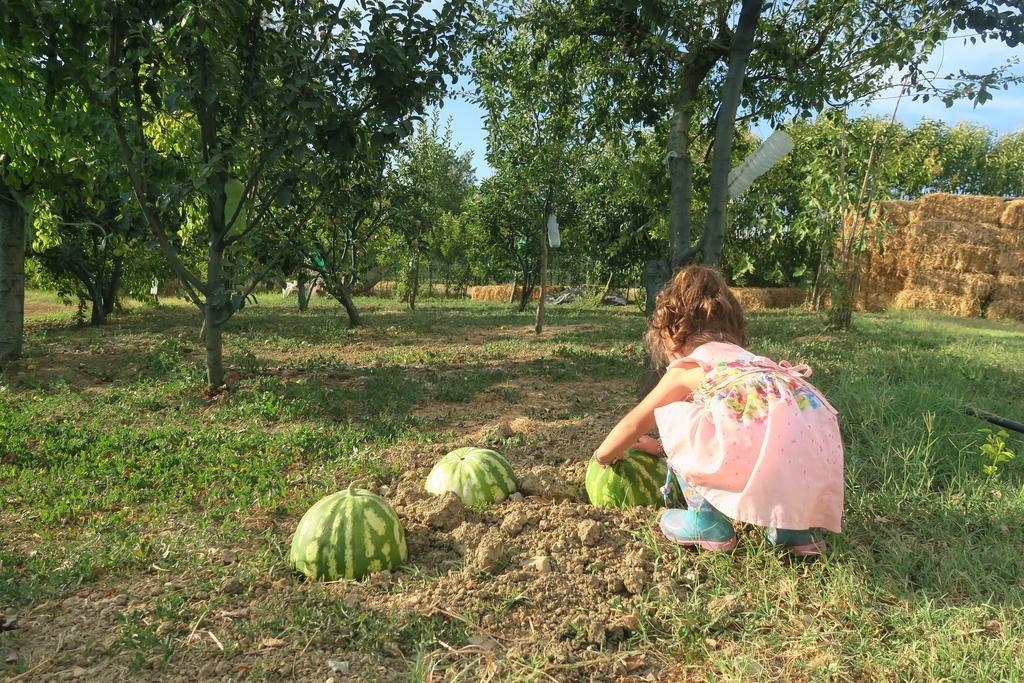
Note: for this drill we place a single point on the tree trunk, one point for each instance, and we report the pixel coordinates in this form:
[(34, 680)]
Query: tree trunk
[(110, 293), (680, 169), (524, 295), (213, 341), (217, 308), (13, 230), (99, 309), (414, 282), (512, 293), (713, 238), (656, 274), (344, 295), (539, 326), (607, 288), (101, 295), (301, 291)]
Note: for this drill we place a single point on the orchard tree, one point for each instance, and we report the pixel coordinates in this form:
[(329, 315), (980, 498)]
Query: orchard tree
[(84, 243), (705, 66), (460, 246), (432, 180), (506, 210), (350, 209), (530, 83), (89, 238), (218, 106), (43, 127), (211, 100), (616, 207)]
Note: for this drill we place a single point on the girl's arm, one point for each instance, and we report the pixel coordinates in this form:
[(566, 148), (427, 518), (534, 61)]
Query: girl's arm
[(676, 385), (648, 445)]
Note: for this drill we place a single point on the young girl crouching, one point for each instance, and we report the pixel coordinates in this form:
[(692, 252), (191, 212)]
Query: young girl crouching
[(748, 439)]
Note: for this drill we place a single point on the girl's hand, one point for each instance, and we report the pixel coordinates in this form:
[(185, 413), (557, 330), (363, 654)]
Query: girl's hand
[(648, 445), (608, 458)]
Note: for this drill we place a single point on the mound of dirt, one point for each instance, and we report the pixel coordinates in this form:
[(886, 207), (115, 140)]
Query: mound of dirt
[(556, 562)]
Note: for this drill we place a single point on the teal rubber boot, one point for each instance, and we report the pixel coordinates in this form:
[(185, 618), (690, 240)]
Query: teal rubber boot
[(806, 543), (704, 527)]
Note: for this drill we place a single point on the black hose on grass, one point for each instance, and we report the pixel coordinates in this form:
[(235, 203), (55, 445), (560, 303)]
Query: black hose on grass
[(995, 419)]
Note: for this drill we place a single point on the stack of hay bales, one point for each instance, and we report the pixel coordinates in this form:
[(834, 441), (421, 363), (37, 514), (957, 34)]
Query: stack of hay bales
[(503, 292), (958, 254), (883, 273), (765, 298), (1008, 296)]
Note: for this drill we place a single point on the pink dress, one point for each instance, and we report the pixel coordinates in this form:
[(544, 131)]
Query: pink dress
[(757, 441)]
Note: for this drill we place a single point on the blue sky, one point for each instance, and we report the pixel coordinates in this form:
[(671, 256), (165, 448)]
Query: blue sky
[(1004, 113)]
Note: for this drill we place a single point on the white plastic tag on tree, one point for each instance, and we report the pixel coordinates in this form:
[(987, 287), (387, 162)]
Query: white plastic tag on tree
[(769, 153), (554, 238)]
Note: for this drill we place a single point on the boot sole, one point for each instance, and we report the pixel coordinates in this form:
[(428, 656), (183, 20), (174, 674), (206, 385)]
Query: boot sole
[(807, 550), (712, 546)]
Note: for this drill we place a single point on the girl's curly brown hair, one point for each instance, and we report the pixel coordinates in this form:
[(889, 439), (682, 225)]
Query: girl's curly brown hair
[(694, 308)]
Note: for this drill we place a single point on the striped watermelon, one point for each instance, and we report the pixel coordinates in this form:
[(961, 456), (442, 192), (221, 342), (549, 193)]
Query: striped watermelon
[(347, 535), (476, 475), (637, 480)]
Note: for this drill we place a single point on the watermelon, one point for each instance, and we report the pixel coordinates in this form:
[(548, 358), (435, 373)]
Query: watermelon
[(637, 480), (347, 535), (476, 475)]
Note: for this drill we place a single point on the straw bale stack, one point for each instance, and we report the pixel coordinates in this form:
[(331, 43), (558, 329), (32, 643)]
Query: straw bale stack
[(1009, 288), (764, 298), (1006, 310), (1013, 215), (960, 254), (898, 212), (954, 305), (503, 292), (973, 285), (965, 208)]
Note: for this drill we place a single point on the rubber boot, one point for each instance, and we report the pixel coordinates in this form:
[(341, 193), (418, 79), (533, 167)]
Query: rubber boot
[(806, 543), (700, 525)]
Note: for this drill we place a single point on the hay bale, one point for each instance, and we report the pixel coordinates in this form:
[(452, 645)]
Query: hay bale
[(972, 285), (1009, 288), (881, 274), (765, 298), (964, 258), (1006, 310), (874, 300), (932, 231), (502, 292), (1013, 215), (897, 212), (954, 305), (966, 208), (1010, 261), (965, 247)]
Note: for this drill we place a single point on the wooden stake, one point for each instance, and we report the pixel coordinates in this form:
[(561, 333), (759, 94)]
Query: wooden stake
[(543, 270)]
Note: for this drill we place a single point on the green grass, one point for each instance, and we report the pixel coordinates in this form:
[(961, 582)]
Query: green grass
[(114, 471)]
